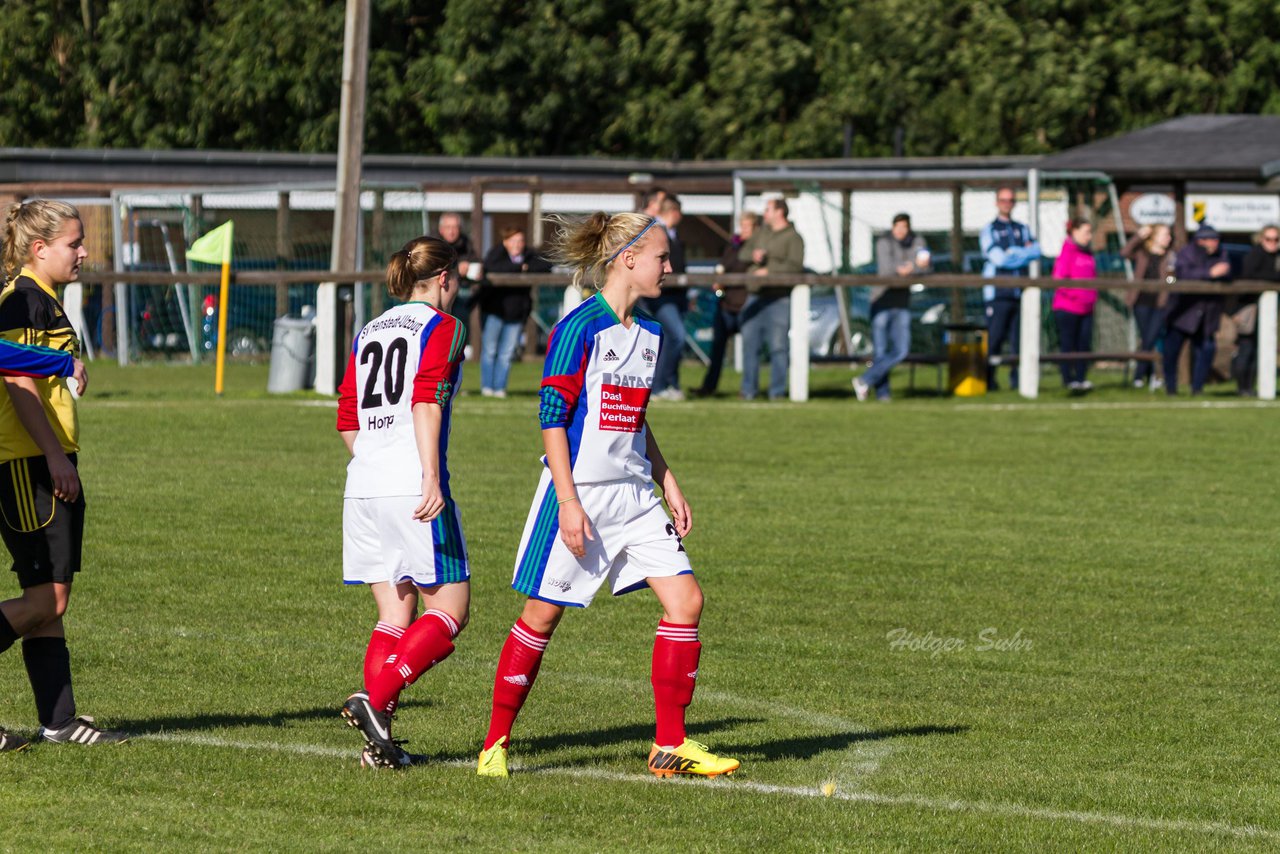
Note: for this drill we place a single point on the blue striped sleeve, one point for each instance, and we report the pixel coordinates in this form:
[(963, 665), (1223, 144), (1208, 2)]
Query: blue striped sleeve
[(25, 360)]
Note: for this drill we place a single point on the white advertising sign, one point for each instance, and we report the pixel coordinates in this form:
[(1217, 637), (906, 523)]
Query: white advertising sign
[(1153, 209), (1232, 213)]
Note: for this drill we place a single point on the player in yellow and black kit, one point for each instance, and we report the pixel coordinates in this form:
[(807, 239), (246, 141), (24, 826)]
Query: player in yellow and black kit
[(41, 502)]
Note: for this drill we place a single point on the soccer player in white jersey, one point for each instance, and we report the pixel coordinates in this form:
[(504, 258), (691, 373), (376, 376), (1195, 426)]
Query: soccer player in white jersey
[(595, 518), (400, 528)]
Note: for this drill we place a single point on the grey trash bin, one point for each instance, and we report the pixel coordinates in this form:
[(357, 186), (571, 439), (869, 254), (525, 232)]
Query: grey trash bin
[(292, 354)]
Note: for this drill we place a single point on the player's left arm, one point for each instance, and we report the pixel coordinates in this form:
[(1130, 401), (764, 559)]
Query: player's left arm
[(427, 418), (442, 351), (681, 514)]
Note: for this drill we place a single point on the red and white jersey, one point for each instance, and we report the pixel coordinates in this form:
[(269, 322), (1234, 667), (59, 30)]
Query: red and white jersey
[(409, 354), (595, 384)]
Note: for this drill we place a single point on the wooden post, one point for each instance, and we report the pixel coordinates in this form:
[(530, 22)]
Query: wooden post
[(284, 251), (535, 215), (378, 250), (331, 332), (957, 251), (477, 241)]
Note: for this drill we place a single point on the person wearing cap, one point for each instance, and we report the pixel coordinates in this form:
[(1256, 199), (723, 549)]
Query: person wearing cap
[(899, 252), (1194, 318)]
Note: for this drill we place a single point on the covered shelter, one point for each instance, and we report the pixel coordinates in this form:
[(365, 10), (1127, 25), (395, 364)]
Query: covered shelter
[(1233, 156)]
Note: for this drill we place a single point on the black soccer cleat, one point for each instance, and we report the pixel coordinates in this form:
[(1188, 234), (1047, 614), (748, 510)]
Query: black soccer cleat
[(375, 726), (10, 742), (82, 730), (403, 759)]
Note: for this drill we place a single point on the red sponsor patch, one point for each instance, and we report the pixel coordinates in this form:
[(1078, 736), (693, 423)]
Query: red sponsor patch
[(622, 408)]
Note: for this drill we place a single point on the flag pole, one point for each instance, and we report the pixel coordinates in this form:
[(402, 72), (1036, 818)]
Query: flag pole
[(224, 289)]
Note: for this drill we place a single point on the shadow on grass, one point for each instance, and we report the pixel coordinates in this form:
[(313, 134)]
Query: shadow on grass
[(766, 750), (805, 747), (224, 720)]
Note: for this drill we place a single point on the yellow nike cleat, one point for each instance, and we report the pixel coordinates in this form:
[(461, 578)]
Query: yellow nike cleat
[(689, 758), (493, 762)]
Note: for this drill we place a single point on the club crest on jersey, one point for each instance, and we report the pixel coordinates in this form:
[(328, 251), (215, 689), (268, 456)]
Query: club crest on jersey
[(648, 355)]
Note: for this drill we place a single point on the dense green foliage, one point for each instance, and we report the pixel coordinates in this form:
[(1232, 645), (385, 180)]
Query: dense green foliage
[(1126, 541), (650, 78)]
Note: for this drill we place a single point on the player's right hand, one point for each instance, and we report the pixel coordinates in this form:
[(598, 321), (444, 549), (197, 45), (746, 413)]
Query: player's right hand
[(66, 481), (575, 528), (81, 376)]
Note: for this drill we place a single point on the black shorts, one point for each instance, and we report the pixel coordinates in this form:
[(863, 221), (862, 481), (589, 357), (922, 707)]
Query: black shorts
[(43, 533)]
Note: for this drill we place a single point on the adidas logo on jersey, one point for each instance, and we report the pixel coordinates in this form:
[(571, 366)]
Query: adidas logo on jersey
[(521, 680), (610, 357)]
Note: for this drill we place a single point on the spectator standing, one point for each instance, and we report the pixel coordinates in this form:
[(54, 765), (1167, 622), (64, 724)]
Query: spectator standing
[(729, 302), (1149, 251), (766, 318), (1262, 263), (651, 201), (1008, 248), (1073, 307), (669, 308), (899, 252), (449, 229), (503, 311), (1195, 317)]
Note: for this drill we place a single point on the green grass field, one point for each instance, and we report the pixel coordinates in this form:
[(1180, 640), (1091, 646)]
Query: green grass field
[(859, 562)]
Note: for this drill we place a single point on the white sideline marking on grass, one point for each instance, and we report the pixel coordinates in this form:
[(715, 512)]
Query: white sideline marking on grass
[(1117, 405), (1247, 831), (865, 755), (1008, 810)]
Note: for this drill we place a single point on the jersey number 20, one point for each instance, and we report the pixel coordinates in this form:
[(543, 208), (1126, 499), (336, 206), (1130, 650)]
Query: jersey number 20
[(391, 372)]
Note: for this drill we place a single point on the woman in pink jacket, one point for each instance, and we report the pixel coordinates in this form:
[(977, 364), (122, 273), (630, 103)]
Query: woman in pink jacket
[(1073, 307)]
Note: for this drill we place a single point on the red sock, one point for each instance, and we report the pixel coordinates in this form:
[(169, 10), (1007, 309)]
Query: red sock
[(517, 668), (675, 670), (381, 645), (425, 643)]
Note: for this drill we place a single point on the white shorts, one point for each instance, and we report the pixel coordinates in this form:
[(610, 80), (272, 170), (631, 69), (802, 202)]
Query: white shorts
[(634, 540), (381, 541)]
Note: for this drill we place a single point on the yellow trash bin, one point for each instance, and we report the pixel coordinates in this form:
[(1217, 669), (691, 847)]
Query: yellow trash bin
[(967, 360)]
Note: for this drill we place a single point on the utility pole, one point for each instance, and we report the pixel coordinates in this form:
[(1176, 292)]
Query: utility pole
[(330, 324)]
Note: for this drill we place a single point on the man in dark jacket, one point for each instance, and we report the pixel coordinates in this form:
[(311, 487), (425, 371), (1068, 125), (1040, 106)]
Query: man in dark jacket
[(1195, 317), (504, 310), (729, 303)]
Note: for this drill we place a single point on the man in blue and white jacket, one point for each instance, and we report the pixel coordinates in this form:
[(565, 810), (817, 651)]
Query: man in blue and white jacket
[(1008, 248)]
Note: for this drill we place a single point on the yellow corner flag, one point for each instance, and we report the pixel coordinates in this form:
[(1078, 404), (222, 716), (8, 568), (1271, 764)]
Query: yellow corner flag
[(215, 248)]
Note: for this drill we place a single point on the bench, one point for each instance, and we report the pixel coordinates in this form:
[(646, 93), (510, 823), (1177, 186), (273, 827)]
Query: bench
[(1058, 358)]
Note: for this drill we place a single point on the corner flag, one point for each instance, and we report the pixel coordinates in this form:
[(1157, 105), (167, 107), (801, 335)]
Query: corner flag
[(214, 247)]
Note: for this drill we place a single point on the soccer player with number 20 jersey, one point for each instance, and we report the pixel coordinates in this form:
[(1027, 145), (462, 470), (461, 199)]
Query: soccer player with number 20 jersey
[(401, 532), (595, 518)]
